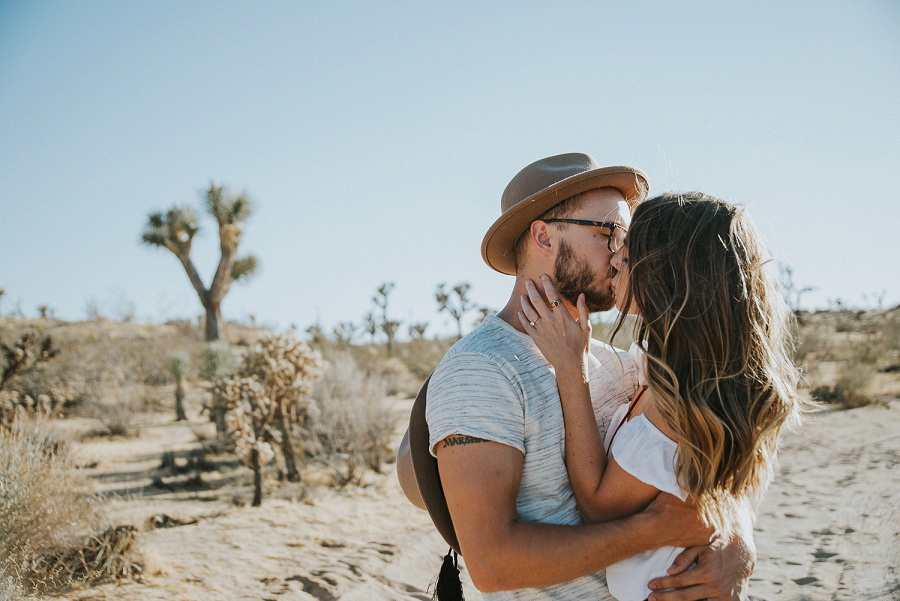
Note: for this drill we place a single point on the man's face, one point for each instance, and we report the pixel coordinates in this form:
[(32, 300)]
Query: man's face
[(583, 257)]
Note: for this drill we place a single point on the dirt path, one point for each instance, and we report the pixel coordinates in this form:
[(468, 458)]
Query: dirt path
[(829, 528)]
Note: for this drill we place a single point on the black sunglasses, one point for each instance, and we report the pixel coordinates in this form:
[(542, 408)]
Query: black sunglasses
[(609, 237)]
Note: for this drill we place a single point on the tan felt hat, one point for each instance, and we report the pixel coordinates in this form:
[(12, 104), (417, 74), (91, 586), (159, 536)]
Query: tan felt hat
[(544, 184)]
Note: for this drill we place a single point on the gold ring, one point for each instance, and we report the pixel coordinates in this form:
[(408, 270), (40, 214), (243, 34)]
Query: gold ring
[(534, 321), (555, 304)]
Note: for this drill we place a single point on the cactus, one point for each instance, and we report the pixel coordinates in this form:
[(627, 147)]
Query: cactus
[(268, 392)]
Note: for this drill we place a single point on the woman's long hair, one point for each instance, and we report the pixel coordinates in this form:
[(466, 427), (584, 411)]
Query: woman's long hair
[(717, 329)]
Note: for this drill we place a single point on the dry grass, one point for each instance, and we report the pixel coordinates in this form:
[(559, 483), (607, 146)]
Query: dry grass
[(46, 518), (849, 356), (351, 425)]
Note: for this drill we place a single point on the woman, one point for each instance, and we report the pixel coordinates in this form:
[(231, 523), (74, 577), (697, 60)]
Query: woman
[(717, 380)]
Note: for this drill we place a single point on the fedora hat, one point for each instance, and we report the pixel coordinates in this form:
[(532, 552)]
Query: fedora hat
[(417, 471), (544, 184)]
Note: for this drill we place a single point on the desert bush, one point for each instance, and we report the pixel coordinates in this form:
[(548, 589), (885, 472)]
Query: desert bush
[(421, 356), (851, 389), (265, 399), (216, 361), (810, 341), (180, 366), (353, 424), (21, 390), (118, 421), (44, 515)]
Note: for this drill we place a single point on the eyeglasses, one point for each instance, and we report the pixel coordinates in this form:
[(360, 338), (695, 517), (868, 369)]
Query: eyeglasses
[(613, 242)]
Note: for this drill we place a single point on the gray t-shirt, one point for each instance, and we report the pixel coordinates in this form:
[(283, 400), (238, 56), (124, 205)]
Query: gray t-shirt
[(495, 384)]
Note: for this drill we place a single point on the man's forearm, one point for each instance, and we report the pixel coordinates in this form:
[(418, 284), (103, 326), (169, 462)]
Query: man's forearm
[(534, 554)]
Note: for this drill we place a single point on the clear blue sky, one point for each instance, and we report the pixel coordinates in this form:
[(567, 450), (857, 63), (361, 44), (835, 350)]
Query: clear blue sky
[(376, 138)]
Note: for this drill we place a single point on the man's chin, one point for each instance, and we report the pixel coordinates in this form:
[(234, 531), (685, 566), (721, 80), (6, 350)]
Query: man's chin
[(600, 307), (597, 303)]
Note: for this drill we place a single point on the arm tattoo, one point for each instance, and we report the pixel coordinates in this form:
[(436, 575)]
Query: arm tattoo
[(458, 439)]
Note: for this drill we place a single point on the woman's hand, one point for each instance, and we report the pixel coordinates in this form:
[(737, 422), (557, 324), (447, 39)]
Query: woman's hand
[(563, 341)]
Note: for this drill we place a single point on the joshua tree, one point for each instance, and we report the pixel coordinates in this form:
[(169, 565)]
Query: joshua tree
[(370, 325), (175, 230), (180, 366), (455, 302), (417, 330), (483, 312), (43, 310), (792, 292), (317, 335), (388, 326), (344, 332), (2, 292)]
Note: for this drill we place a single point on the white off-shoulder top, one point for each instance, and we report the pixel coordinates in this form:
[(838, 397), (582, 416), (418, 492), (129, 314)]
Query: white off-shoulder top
[(648, 455)]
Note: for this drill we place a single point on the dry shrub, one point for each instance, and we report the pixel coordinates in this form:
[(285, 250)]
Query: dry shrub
[(44, 515), (352, 426), (105, 556), (421, 356), (851, 389), (217, 361), (118, 422), (811, 342)]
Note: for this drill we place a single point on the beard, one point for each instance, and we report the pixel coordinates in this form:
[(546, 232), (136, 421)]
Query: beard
[(574, 275)]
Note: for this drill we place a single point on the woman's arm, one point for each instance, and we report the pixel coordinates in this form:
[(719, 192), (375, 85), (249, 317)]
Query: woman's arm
[(602, 492), (585, 457)]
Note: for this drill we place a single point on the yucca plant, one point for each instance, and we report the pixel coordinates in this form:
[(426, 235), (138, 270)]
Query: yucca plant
[(175, 230), (180, 366), (217, 363)]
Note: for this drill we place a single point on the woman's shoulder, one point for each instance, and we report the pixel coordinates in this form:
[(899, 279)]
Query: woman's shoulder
[(648, 408)]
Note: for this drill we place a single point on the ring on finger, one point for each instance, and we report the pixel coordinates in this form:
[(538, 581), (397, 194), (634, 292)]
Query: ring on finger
[(533, 321), (555, 304)]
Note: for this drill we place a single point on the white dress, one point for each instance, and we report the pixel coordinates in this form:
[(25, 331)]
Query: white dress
[(648, 455)]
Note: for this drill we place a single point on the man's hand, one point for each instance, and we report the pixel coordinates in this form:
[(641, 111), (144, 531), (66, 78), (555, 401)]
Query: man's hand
[(716, 571), (677, 522)]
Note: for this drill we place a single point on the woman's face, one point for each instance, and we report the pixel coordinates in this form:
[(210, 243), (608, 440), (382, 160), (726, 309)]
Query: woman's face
[(619, 262)]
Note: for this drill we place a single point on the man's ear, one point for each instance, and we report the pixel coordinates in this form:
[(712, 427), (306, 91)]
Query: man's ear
[(541, 236)]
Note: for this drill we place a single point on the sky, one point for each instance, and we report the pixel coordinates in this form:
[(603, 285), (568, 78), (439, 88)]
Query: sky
[(375, 140)]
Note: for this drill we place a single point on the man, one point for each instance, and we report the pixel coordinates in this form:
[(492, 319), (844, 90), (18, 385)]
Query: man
[(495, 421)]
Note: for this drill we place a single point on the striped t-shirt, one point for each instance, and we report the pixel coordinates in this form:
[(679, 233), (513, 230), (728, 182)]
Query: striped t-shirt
[(495, 384)]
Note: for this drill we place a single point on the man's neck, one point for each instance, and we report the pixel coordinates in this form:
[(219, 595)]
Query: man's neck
[(510, 313)]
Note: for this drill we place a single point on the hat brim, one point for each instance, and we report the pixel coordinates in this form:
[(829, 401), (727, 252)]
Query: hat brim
[(428, 479), (498, 246)]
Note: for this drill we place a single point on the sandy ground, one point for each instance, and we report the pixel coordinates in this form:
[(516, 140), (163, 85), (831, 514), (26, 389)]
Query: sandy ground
[(828, 529)]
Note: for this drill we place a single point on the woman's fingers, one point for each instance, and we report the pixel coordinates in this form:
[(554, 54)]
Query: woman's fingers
[(584, 316), (536, 300), (525, 323), (550, 291), (529, 311)]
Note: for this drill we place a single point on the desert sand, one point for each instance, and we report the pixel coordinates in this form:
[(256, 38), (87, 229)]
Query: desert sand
[(829, 527)]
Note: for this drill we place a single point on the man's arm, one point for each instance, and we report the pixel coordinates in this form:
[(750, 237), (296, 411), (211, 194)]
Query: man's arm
[(719, 571), (481, 481)]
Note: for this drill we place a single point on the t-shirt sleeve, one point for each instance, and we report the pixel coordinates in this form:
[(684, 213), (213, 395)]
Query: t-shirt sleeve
[(645, 453), (470, 394)]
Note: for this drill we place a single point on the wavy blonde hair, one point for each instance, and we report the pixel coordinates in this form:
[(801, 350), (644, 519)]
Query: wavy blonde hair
[(718, 339)]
